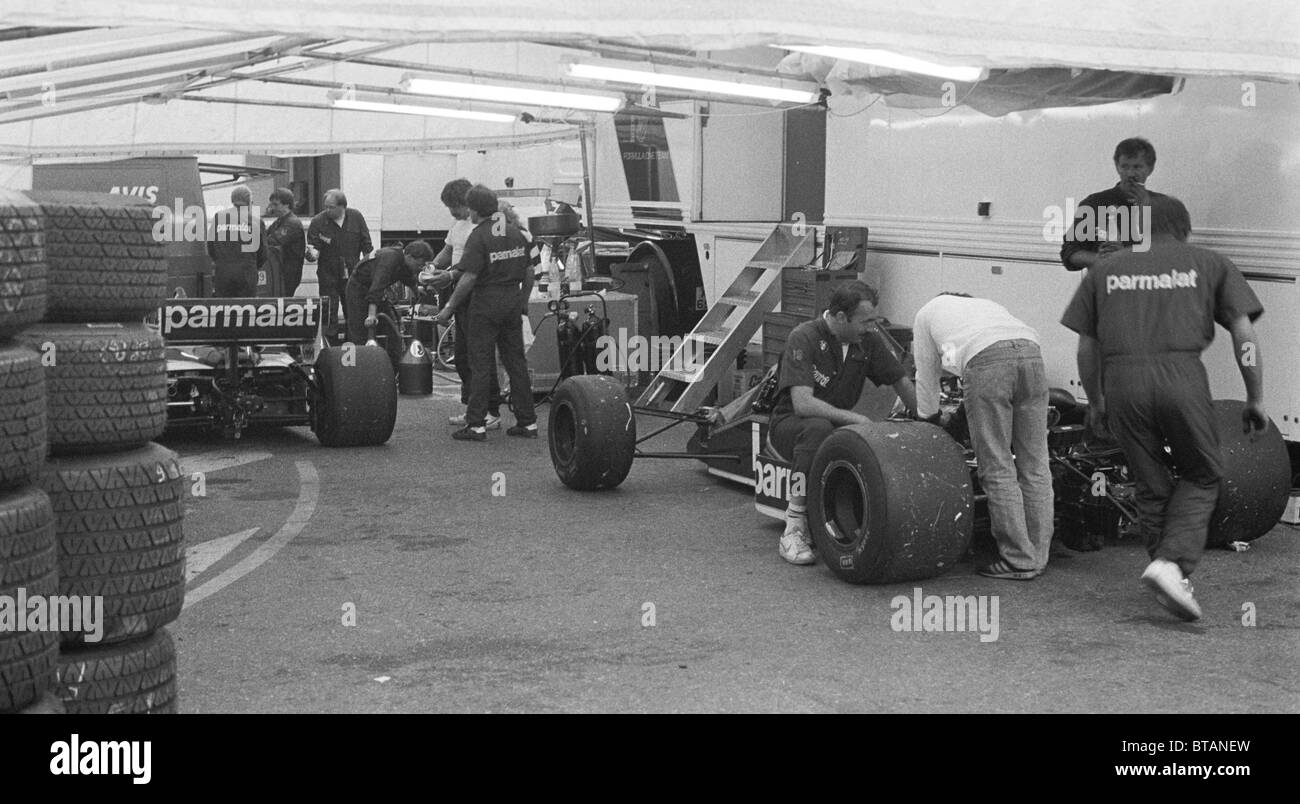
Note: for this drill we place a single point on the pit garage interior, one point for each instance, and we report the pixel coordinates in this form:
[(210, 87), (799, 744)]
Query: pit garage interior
[(426, 575)]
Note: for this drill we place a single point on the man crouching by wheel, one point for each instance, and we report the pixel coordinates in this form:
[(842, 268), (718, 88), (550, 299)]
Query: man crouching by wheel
[(1143, 320), (497, 278), (372, 276), (824, 367)]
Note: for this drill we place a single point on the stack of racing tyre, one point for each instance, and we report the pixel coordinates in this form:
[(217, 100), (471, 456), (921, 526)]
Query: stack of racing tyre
[(116, 497)]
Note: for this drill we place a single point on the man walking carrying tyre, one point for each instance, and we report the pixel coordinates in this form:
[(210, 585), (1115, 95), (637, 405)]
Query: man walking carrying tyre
[(998, 358), (824, 367), (1143, 320)]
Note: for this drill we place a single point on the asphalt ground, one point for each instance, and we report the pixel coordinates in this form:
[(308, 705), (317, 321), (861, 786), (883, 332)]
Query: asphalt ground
[(430, 575)]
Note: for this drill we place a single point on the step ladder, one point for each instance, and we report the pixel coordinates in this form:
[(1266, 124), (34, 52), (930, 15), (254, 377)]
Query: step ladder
[(710, 350)]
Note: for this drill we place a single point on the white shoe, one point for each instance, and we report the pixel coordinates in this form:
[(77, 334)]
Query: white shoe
[(794, 546), (493, 422), (1173, 591)]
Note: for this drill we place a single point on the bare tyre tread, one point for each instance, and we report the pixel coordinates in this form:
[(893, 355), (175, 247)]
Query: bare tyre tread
[(28, 561), (23, 270), (120, 525), (136, 677), (105, 385), (105, 263), (22, 416)]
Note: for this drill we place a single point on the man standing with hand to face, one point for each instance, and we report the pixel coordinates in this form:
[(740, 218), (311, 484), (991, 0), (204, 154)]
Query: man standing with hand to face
[(1109, 220), (1143, 319)]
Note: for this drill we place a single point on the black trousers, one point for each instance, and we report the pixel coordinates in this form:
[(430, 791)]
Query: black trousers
[(356, 307), (235, 280), (797, 438), (1158, 401), (493, 324), (332, 280), (466, 373)]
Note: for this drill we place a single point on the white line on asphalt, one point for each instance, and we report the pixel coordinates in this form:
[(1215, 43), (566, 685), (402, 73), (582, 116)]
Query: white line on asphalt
[(201, 556), (309, 492), (208, 462)]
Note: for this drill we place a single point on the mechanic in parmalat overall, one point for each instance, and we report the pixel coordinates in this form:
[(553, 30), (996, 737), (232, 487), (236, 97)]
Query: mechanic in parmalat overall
[(497, 279), (1108, 220), (339, 238), (1006, 398), (372, 276), (1143, 320), (824, 368), (237, 247), (286, 242), (443, 275)]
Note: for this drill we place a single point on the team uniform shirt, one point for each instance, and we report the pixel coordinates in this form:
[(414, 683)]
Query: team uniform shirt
[(377, 273), (230, 240), (814, 357), (950, 330), (1160, 301), (340, 244), (496, 259), (1096, 218)]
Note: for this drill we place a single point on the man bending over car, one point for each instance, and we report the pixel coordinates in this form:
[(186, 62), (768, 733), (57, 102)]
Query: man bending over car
[(826, 363)]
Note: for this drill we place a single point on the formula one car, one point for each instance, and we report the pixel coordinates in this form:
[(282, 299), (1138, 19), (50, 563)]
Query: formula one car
[(900, 500), (232, 363)]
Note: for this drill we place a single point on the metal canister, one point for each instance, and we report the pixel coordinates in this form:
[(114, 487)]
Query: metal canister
[(415, 371)]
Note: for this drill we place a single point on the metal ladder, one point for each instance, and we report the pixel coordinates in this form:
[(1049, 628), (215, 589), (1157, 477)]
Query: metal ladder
[(710, 349)]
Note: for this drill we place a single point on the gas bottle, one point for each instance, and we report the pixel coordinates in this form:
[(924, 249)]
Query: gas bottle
[(415, 371)]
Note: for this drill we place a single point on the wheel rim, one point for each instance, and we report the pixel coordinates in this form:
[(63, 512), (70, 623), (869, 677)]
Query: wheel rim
[(564, 432), (844, 501)]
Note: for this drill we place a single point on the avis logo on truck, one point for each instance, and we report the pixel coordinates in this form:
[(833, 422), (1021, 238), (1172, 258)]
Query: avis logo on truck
[(149, 193)]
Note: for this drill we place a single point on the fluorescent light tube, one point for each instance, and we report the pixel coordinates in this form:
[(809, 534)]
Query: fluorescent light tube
[(691, 83), (894, 61), (519, 95), (427, 111)]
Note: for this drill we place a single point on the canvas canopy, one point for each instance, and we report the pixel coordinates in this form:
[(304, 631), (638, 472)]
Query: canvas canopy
[(159, 76)]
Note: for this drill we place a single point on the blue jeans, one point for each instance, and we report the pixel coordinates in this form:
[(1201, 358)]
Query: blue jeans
[(1006, 405)]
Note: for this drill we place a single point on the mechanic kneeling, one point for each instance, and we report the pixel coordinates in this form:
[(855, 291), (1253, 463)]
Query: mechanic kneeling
[(371, 277), (823, 369)]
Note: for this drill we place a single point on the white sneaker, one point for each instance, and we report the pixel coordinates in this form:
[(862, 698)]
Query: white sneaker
[(794, 546), (1173, 591), (493, 422)]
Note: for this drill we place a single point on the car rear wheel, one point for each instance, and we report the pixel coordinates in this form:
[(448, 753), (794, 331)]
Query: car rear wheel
[(889, 502), (355, 403)]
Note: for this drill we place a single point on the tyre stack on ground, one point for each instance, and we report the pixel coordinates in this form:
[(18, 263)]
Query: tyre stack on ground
[(29, 560), (116, 496)]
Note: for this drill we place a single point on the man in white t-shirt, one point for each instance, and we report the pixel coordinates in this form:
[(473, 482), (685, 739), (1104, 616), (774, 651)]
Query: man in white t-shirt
[(998, 358), (447, 264)]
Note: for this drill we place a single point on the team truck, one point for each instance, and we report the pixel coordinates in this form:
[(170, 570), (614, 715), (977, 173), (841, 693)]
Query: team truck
[(236, 363)]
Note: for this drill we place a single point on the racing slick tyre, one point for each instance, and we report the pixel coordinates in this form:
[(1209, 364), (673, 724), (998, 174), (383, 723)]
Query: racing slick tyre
[(105, 384), (1256, 479), (355, 401), (592, 432), (29, 561), (119, 520), (22, 416), (23, 269), (105, 262), (136, 677), (889, 502)]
